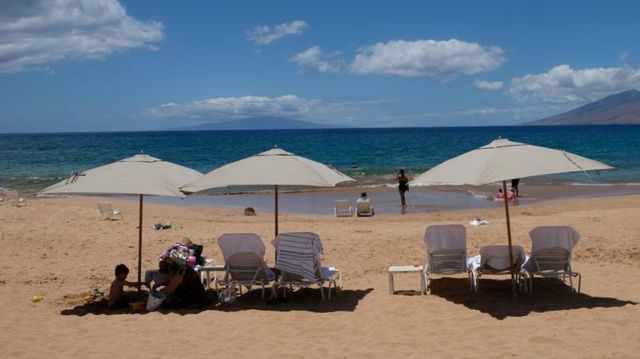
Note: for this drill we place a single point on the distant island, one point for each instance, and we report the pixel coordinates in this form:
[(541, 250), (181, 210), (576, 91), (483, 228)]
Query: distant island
[(620, 109), (257, 123)]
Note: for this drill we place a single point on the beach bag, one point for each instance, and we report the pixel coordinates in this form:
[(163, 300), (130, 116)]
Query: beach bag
[(155, 300), (178, 254)]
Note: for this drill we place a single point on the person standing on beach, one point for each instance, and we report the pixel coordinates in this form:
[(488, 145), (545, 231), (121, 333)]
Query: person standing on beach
[(514, 186), (403, 186)]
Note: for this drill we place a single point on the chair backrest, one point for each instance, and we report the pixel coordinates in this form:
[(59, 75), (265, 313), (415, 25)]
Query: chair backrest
[(299, 254), (553, 237), (364, 208), (446, 248), (14, 198), (551, 259), (105, 209), (552, 248), (246, 267), (497, 257), (232, 243), (343, 207)]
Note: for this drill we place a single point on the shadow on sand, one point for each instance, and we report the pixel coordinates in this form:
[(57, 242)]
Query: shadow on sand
[(495, 297), (302, 300)]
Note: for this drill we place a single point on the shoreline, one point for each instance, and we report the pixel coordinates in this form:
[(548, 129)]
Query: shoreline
[(385, 200)]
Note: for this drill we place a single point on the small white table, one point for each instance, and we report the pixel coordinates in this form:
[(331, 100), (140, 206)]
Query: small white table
[(393, 270), (208, 268)]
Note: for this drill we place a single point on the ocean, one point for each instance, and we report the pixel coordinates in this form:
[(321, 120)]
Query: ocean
[(30, 162)]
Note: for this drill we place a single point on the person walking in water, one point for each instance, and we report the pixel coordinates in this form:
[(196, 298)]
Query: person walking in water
[(403, 186)]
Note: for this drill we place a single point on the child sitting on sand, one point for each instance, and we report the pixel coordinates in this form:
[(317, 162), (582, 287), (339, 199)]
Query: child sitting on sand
[(117, 299)]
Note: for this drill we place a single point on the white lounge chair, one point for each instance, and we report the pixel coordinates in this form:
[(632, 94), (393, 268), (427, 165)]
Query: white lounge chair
[(13, 198), (244, 261), (551, 253), (343, 208), (364, 209), (108, 212), (446, 252), (494, 260), (299, 263)]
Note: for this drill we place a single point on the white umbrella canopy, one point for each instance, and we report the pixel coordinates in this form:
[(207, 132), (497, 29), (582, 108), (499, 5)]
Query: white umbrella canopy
[(503, 160), (137, 175), (274, 168)]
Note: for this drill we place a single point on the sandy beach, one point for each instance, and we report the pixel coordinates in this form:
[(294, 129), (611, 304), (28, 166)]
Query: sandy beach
[(55, 247)]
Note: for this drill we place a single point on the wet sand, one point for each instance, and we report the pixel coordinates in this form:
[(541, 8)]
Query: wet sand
[(386, 199)]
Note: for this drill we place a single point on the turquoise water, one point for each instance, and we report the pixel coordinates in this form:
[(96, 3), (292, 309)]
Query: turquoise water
[(33, 161)]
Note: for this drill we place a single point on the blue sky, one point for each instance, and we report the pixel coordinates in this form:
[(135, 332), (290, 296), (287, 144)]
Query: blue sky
[(104, 65)]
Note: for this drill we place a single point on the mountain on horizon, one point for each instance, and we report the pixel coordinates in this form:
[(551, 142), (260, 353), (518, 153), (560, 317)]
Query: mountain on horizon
[(257, 123), (620, 109)]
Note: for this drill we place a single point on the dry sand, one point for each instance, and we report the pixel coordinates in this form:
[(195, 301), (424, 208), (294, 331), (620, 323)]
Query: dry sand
[(57, 248)]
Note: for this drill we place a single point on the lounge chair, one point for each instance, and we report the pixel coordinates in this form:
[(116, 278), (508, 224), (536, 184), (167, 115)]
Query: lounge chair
[(551, 252), (342, 208), (244, 261), (446, 252), (13, 198), (299, 263), (108, 212), (364, 209), (494, 260)]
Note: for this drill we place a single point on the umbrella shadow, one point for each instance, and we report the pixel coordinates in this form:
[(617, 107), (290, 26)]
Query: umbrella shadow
[(302, 300), (495, 297)]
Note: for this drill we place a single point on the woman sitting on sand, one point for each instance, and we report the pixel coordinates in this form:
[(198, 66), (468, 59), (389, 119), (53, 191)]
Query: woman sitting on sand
[(184, 289)]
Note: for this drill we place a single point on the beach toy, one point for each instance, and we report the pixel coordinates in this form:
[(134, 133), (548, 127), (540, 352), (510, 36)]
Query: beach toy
[(37, 298), (137, 306)]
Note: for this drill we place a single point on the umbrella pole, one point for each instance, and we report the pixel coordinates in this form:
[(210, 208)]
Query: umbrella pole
[(276, 209), (140, 242), (506, 212)]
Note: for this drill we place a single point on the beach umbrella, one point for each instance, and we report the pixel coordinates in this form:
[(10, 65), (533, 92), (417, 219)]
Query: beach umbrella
[(275, 169), (137, 175), (503, 160)]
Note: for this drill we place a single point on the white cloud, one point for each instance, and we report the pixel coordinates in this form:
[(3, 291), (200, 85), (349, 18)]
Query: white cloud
[(488, 85), (348, 111), (426, 58), (263, 34), (564, 84), (226, 108), (34, 34), (314, 59)]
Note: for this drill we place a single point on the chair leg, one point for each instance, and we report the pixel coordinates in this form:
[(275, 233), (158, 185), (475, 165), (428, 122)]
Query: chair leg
[(321, 291), (427, 281)]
